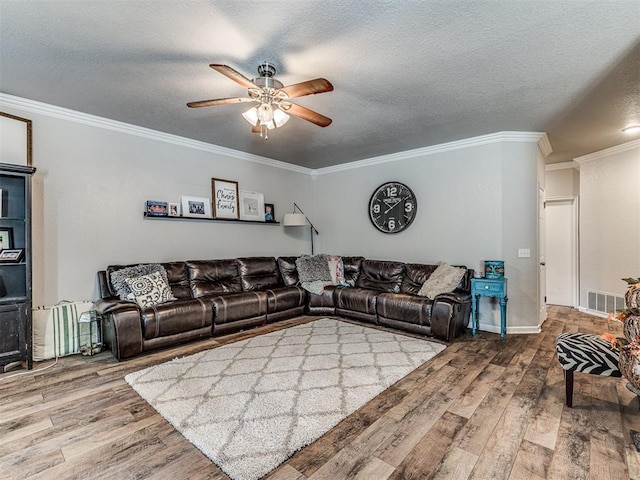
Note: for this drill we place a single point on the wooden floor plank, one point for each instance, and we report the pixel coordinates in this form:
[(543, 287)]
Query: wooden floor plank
[(482, 408)]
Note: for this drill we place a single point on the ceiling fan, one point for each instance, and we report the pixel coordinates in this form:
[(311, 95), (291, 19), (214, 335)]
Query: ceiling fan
[(273, 98)]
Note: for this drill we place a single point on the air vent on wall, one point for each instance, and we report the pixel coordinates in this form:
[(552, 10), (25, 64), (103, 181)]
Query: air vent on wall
[(604, 302)]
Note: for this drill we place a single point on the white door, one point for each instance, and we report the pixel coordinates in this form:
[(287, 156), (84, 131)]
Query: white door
[(561, 252)]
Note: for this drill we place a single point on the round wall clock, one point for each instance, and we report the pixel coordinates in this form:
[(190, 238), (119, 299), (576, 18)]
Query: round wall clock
[(392, 207)]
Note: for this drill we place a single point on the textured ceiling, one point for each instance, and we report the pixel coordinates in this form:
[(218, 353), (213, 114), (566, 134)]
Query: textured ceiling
[(407, 74)]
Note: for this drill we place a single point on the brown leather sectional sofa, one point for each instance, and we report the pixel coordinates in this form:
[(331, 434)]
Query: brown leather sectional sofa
[(215, 297)]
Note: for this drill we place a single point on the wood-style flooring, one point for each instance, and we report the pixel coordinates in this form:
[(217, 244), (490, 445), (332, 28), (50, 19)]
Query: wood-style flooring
[(482, 409)]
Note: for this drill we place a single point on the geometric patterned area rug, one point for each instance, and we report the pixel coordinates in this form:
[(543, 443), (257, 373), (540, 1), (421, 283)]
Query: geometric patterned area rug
[(251, 405)]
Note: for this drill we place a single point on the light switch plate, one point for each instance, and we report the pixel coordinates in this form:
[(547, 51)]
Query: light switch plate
[(524, 252)]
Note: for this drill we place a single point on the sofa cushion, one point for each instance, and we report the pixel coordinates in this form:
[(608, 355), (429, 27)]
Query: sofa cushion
[(443, 280), (149, 290), (381, 275), (352, 267), (285, 298), (259, 273), (118, 275), (415, 274), (178, 279), (212, 277), (239, 306), (404, 307), (288, 271), (360, 300), (182, 315)]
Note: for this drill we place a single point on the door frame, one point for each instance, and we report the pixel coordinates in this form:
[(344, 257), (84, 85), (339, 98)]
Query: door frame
[(575, 244)]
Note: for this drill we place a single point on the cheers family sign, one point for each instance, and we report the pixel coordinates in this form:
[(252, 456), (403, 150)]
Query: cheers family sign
[(225, 198)]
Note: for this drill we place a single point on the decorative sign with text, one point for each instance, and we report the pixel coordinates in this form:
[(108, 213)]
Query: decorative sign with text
[(225, 198)]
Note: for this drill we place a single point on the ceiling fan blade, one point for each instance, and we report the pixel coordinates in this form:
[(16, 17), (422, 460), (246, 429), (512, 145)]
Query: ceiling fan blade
[(219, 101), (317, 85), (256, 129), (234, 75), (308, 115)]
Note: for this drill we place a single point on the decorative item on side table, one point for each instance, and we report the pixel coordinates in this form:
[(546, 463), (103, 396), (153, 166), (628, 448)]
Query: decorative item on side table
[(489, 287), (494, 269), (90, 333), (392, 207), (196, 207), (299, 220), (157, 209), (252, 206), (225, 199)]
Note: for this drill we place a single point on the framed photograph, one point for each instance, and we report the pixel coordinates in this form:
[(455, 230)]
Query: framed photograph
[(251, 206), (15, 139), (195, 207), (157, 209), (11, 255), (269, 212), (1, 203), (225, 198), (174, 209), (6, 238)]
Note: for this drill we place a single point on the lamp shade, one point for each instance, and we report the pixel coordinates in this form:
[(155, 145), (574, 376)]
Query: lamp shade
[(294, 220)]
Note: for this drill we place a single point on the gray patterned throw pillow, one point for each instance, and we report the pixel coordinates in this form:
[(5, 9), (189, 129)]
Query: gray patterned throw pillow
[(313, 269), (119, 277), (150, 290)]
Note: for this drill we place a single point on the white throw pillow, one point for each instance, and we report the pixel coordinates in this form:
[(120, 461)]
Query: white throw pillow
[(149, 290), (444, 279)]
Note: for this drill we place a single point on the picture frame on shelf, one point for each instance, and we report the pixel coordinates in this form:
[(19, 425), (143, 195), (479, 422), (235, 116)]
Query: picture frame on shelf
[(1, 210), (157, 209), (225, 198), (174, 209), (6, 238), (16, 144), (195, 207), (13, 255), (252, 206), (269, 212)]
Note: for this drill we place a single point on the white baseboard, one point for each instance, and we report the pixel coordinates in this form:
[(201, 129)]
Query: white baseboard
[(592, 312), (524, 330)]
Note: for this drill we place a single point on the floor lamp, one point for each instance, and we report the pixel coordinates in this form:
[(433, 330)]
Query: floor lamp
[(299, 220)]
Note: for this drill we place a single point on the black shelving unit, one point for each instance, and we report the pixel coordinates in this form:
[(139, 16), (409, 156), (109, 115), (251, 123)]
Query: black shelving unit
[(15, 277)]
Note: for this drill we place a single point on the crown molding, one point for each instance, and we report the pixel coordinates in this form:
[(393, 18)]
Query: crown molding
[(545, 145), (519, 137), (625, 147), (40, 108), (561, 166)]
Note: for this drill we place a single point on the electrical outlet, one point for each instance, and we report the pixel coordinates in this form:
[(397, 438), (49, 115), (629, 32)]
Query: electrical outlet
[(524, 252)]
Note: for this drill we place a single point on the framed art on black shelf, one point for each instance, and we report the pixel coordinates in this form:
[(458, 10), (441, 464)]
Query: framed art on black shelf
[(156, 209), (11, 256), (225, 198), (269, 212), (6, 238), (252, 206), (196, 207)]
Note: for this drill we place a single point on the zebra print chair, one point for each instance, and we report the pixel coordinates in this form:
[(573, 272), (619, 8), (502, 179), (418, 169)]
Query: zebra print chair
[(585, 353)]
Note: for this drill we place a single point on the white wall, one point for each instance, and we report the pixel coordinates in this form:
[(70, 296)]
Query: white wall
[(562, 183), (475, 203), (89, 196), (609, 219)]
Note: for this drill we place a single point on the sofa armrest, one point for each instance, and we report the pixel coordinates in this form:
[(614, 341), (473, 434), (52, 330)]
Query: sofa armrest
[(110, 305), (450, 314), (122, 327)]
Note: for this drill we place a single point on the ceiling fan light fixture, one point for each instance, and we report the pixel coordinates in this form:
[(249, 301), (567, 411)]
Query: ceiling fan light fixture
[(251, 116), (279, 118), (265, 113), (631, 129)]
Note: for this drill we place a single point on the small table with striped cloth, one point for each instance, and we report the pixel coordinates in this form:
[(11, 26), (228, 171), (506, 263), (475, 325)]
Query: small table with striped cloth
[(585, 353)]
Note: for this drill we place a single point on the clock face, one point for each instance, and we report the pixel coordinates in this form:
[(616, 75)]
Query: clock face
[(392, 207)]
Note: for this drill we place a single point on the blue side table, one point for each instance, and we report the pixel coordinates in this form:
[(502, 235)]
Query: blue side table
[(486, 287)]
